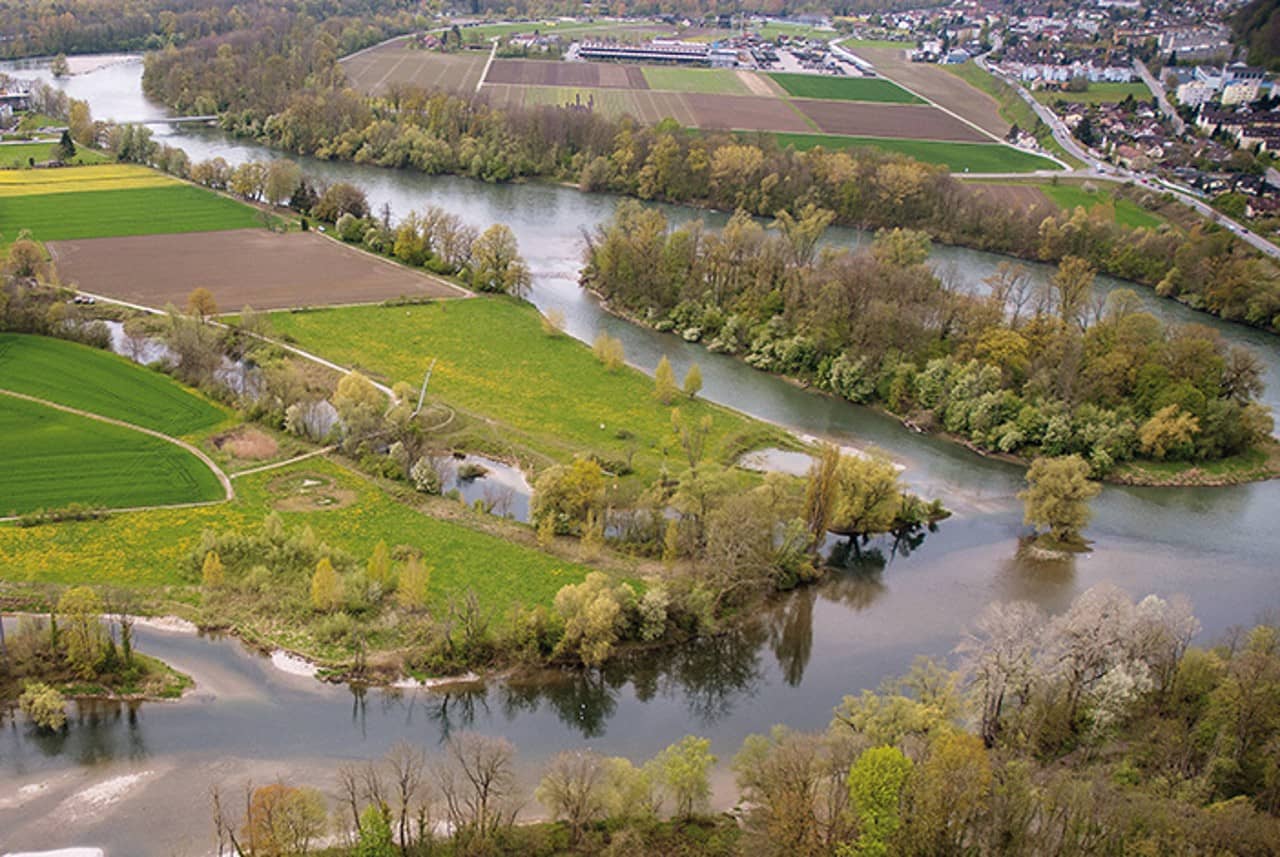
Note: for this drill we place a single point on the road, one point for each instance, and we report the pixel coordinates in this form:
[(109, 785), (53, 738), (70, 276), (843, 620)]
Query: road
[(1157, 89), (1097, 168)]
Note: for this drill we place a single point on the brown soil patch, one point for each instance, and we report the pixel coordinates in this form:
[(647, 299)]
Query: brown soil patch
[(548, 73), (760, 85), (246, 443), (374, 71), (1016, 197), (309, 492), (938, 85), (910, 121), (244, 267), (744, 112)]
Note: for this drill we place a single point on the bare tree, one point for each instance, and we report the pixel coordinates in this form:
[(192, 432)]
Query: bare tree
[(999, 659), (574, 789), (478, 785), (408, 766)]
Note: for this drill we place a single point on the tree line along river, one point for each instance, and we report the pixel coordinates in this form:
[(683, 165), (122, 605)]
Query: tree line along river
[(1219, 546)]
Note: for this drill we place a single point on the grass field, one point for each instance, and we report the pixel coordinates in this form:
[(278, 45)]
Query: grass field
[(874, 89), (549, 394), (148, 549), (958, 157), (1013, 108), (155, 208), (19, 154), (50, 458), (1127, 213), (103, 383), (1097, 93), (717, 81)]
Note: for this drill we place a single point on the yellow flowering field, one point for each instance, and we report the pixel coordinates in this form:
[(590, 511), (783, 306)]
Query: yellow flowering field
[(80, 179)]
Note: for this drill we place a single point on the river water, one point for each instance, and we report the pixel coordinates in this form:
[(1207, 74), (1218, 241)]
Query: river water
[(123, 776)]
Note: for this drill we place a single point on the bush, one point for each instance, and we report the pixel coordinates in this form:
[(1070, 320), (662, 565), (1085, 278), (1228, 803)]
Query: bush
[(44, 705)]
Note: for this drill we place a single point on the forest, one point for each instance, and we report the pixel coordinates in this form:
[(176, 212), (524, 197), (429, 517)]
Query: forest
[(93, 26), (1028, 370), (299, 103)]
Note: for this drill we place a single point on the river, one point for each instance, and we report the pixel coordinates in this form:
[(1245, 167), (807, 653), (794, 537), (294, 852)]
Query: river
[(123, 776)]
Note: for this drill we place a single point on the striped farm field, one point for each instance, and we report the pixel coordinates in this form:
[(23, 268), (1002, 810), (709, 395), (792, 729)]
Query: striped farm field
[(149, 207), (103, 383), (832, 88), (52, 458), (92, 178)]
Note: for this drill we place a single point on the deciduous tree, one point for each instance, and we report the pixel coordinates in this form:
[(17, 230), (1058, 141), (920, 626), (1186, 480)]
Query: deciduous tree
[(1057, 496)]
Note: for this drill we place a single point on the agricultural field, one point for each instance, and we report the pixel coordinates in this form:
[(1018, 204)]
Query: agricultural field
[(716, 81), (1097, 93), (112, 200), (249, 267), (832, 88), (549, 395), (343, 509), (20, 155), (910, 121), (589, 75), (52, 458), (376, 69), (103, 383), (957, 157), (945, 85)]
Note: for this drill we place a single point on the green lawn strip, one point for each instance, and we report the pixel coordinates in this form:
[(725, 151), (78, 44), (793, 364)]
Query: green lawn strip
[(832, 88), (958, 157), (103, 383), (50, 459), (1097, 93), (19, 155), (131, 211), (1127, 212), (151, 549), (716, 81), (547, 393), (1262, 462), (1013, 108)]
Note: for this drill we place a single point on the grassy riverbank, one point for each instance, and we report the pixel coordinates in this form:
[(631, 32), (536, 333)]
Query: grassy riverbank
[(545, 397)]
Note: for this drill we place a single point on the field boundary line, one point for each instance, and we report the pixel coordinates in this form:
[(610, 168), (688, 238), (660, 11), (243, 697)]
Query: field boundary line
[(484, 72), (955, 115), (194, 450), (278, 464)]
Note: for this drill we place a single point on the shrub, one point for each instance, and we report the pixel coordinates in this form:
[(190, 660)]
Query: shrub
[(44, 705)]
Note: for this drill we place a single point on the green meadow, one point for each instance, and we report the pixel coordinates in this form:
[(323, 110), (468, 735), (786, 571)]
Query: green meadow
[(20, 155), (103, 383), (51, 458), (958, 157), (126, 211), (548, 395), (833, 88), (717, 81), (1127, 213)]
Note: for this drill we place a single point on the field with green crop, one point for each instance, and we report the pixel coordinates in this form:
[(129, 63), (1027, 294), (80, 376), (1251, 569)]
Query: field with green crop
[(1127, 212), (129, 211), (147, 549), (718, 81), (831, 88), (19, 155), (958, 157), (1097, 93), (50, 458), (548, 394), (89, 379)]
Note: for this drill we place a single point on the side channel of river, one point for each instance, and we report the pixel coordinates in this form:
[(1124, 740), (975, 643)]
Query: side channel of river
[(134, 779)]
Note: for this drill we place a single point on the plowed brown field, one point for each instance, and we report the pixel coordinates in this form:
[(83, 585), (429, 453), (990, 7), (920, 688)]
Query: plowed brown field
[(912, 121), (246, 267)]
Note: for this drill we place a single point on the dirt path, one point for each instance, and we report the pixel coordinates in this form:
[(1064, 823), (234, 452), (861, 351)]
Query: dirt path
[(209, 462), (264, 468)]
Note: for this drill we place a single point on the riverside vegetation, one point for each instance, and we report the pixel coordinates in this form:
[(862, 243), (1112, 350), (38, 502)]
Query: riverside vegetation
[(1024, 371), (1099, 731)]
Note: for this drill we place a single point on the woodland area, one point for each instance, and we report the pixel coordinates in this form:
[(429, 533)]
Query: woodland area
[(1021, 369), (298, 102), (1096, 732)]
